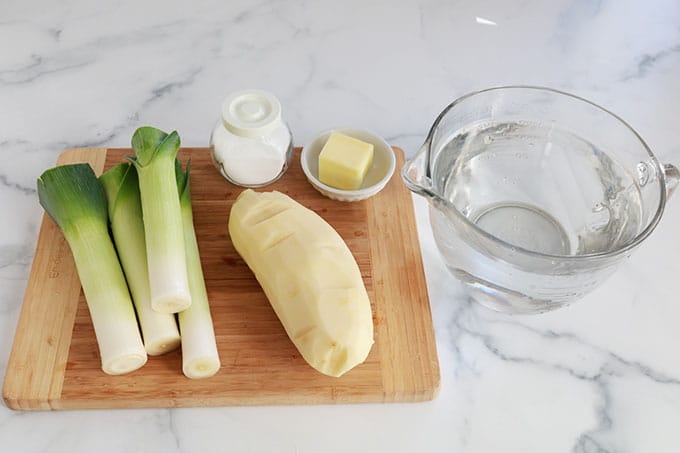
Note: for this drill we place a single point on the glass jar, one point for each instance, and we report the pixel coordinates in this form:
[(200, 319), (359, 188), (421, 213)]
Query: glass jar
[(251, 145)]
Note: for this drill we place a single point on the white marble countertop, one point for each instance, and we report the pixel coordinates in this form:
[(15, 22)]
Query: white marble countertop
[(600, 376)]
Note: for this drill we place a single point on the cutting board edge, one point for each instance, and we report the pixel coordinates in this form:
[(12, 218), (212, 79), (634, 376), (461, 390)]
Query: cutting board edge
[(239, 401), (53, 339)]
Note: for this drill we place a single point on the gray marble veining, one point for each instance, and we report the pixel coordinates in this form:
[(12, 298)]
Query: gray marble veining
[(600, 376)]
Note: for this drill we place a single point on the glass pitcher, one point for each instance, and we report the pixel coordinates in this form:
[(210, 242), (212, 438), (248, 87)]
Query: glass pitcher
[(536, 195)]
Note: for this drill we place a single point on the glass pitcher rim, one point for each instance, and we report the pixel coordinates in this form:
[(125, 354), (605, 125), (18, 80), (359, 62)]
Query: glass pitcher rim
[(630, 245)]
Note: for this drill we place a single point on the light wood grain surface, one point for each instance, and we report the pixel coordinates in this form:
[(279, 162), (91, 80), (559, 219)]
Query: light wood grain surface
[(54, 363)]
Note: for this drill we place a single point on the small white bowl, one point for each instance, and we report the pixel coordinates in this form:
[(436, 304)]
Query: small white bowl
[(377, 177)]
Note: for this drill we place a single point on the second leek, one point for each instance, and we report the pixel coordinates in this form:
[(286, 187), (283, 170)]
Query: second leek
[(120, 183)]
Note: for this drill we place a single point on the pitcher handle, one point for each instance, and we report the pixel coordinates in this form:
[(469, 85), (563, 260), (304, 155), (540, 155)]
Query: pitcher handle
[(672, 177)]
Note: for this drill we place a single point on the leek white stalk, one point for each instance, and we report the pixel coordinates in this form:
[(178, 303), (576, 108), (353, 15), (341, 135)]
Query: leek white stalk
[(159, 330), (199, 348), (74, 198), (155, 163)]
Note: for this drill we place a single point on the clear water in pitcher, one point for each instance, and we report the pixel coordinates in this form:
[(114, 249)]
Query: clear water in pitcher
[(539, 188)]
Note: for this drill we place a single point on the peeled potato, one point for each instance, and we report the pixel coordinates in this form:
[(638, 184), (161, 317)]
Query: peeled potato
[(309, 276)]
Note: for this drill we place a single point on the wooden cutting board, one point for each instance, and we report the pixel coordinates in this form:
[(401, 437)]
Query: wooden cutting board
[(54, 363)]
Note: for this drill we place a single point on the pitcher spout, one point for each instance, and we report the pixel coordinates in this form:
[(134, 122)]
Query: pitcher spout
[(416, 172)]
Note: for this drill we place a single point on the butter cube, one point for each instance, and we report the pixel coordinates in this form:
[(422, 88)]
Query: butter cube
[(344, 161)]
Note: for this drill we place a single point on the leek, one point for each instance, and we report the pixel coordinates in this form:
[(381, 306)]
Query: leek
[(74, 198), (159, 330), (155, 153), (199, 348)]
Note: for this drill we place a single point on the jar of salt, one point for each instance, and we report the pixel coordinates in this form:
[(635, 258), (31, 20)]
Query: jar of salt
[(251, 144)]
